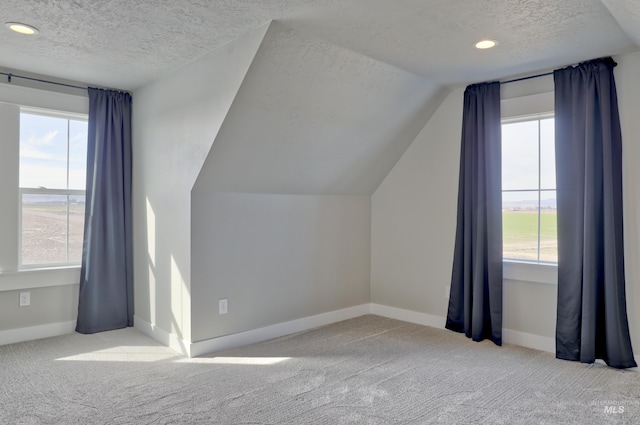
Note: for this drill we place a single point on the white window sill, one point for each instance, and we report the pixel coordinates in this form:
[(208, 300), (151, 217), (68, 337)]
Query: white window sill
[(530, 272), (39, 278)]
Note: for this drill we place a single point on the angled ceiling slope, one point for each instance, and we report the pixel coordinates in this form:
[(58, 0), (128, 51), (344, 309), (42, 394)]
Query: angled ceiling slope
[(627, 13), (314, 118), (204, 90)]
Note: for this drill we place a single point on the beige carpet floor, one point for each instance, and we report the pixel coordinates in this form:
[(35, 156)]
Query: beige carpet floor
[(368, 370)]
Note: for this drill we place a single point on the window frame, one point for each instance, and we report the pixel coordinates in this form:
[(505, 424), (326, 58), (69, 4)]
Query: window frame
[(12, 97), (520, 107), (44, 191), (532, 118)]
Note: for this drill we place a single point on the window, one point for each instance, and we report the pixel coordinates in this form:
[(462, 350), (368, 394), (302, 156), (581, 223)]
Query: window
[(53, 155), (529, 189)]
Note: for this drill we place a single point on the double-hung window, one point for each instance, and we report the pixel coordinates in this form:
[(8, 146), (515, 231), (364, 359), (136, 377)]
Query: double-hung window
[(530, 250), (529, 189), (52, 174)]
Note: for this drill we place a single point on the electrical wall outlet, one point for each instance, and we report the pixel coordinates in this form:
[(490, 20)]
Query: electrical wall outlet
[(25, 299), (222, 306)]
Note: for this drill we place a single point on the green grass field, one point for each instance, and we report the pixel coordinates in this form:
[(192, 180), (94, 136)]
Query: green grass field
[(520, 235)]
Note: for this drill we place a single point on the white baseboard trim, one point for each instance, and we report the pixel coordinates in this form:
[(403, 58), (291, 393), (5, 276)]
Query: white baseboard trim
[(523, 339), (274, 331), (253, 336), (408, 316), (12, 336), (509, 336), (162, 336)]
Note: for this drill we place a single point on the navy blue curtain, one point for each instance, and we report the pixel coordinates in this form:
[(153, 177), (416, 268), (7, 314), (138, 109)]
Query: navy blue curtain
[(106, 277), (592, 315), (475, 302)]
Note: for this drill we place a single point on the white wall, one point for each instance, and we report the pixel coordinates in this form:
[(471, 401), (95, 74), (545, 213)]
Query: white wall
[(281, 208), (628, 86), (277, 218), (9, 169), (175, 121), (53, 304), (414, 210), (413, 217), (54, 299), (275, 258)]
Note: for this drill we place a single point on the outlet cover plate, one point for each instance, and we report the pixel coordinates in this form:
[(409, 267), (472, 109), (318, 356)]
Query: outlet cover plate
[(222, 306)]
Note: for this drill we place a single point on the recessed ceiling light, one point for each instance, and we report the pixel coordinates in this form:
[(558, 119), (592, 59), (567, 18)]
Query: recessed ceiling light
[(21, 28), (486, 44)]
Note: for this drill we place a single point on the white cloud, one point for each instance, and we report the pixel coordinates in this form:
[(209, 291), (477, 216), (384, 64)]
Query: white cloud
[(80, 138), (45, 140), (32, 152)]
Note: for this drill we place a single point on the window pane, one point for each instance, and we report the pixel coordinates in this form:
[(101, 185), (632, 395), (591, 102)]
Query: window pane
[(43, 151), (77, 154), (548, 227), (520, 155), (520, 225), (45, 231), (547, 154)]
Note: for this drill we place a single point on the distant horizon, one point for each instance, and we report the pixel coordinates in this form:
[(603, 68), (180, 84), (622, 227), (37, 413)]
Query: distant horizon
[(34, 198), (549, 203)]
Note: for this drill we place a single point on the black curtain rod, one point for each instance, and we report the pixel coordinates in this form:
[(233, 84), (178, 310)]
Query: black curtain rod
[(10, 76), (551, 72), (526, 78)]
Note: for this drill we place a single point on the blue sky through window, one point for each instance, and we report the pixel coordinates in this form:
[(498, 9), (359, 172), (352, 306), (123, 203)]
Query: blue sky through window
[(527, 166), (43, 152)]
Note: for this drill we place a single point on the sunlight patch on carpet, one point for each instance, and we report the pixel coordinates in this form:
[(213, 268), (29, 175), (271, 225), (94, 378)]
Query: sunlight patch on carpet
[(259, 361), (123, 354)]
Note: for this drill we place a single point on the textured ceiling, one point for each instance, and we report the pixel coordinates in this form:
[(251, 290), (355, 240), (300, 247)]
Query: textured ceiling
[(323, 120), (125, 44)]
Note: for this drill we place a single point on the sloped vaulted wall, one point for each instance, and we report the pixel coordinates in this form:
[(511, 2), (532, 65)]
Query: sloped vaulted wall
[(281, 209), (254, 170), (175, 121)]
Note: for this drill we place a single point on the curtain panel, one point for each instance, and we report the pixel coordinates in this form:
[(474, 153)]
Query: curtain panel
[(106, 277), (475, 301), (592, 316)]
